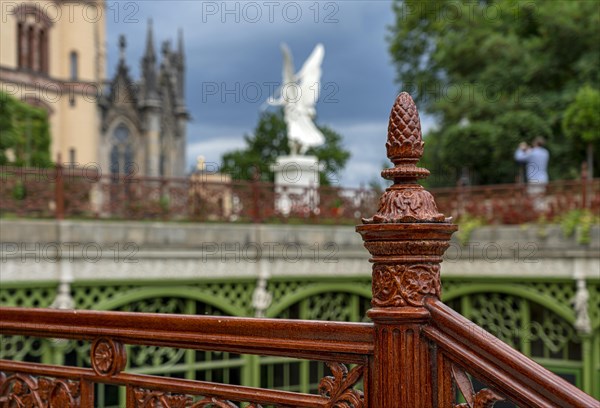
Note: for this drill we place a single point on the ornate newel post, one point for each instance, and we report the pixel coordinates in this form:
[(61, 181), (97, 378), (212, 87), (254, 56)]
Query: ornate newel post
[(406, 238)]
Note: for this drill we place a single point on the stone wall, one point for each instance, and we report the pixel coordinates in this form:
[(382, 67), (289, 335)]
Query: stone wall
[(34, 250)]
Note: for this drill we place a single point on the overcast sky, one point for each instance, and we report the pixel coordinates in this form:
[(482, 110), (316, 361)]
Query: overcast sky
[(232, 54)]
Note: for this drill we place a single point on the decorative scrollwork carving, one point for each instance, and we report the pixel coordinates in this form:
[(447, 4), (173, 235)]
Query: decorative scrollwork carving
[(410, 204), (405, 285), (144, 398), (338, 388), (485, 398), (20, 390), (25, 391), (108, 357), (64, 394), (214, 403), (151, 399)]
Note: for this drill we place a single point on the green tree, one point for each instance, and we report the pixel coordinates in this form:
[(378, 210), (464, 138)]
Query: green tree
[(476, 62), (24, 130), (466, 144), (581, 122), (269, 141), (512, 128)]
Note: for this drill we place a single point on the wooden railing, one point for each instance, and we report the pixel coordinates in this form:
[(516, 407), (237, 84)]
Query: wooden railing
[(350, 343), (461, 343), (416, 352)]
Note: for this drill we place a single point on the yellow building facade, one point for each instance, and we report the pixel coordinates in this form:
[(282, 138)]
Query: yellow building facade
[(53, 55)]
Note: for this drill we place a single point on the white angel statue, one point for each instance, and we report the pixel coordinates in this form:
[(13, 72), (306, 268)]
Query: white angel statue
[(298, 95)]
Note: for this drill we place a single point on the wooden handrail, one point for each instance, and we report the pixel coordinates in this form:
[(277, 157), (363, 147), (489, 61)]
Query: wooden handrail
[(348, 342), (521, 379)]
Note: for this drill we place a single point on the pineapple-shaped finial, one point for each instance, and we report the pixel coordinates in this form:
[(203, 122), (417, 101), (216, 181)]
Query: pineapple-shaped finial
[(406, 200), (404, 143)]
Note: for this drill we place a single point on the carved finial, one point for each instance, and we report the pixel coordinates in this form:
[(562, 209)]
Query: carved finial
[(404, 130), (405, 201), (408, 236), (405, 142)]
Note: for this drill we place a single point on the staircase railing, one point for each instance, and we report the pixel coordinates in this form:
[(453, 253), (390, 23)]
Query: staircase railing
[(417, 352)]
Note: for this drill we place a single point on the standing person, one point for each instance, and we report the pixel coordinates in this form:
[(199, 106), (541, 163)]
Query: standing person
[(535, 160)]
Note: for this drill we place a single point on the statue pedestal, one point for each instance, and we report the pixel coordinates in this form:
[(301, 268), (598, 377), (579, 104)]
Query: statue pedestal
[(296, 185)]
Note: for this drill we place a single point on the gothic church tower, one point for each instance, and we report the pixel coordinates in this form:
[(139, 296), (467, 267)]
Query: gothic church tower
[(144, 122)]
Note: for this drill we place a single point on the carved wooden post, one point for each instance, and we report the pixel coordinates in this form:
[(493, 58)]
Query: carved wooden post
[(406, 238)]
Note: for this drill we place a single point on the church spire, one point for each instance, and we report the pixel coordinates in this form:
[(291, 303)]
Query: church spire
[(180, 65), (149, 54), (149, 64), (180, 43), (122, 46)]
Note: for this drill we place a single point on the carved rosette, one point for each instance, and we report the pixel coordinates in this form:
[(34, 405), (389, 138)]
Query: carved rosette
[(339, 387), (408, 236), (108, 357)]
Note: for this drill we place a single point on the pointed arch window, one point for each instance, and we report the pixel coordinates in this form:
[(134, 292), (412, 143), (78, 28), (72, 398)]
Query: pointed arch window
[(121, 153)]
